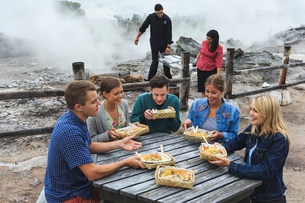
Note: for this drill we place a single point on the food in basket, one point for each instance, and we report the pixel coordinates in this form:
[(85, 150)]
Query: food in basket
[(151, 157), (211, 152), (152, 160), (163, 113), (155, 157), (133, 129), (174, 177), (196, 134), (174, 173)]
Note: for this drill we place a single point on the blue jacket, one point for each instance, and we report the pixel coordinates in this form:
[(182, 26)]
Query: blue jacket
[(227, 117), (267, 162)]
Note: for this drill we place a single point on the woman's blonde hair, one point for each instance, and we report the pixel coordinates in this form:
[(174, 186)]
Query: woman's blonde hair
[(269, 108)]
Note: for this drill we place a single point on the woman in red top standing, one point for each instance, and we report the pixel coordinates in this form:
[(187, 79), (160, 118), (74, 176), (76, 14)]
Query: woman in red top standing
[(209, 59)]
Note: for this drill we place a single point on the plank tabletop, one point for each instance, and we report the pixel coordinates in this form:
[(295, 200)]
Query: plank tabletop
[(212, 183)]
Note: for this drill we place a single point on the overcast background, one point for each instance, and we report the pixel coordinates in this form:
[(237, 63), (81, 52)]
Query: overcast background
[(98, 42)]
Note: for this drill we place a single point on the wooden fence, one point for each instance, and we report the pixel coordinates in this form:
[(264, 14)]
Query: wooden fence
[(184, 87), (230, 72), (79, 74)]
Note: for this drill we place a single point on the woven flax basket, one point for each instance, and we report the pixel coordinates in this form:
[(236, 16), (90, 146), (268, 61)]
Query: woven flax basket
[(132, 130), (174, 177), (211, 152), (151, 164), (198, 136), (164, 113)]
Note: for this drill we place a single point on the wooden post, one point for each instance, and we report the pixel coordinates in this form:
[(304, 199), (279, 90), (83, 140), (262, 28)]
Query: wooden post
[(185, 86), (287, 51), (79, 71), (229, 72)]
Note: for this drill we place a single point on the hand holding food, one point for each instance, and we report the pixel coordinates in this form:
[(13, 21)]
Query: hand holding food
[(186, 124), (137, 124), (216, 135), (134, 162), (220, 161), (148, 114), (112, 134)]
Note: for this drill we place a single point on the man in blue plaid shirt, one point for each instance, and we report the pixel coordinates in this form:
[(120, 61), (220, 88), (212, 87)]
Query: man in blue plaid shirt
[(70, 168)]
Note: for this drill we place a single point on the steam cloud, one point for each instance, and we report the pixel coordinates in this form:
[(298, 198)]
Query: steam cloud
[(98, 41)]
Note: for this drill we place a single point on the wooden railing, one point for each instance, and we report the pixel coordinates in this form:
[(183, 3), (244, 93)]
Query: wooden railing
[(230, 72), (184, 87), (78, 70)]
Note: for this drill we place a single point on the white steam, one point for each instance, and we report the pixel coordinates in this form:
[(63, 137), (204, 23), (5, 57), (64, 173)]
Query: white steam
[(98, 42)]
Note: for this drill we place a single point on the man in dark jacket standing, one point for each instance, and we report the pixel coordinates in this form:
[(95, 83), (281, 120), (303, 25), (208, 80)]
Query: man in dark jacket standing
[(160, 38)]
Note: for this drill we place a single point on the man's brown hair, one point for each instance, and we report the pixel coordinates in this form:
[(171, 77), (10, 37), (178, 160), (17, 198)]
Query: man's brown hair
[(76, 92), (159, 81)]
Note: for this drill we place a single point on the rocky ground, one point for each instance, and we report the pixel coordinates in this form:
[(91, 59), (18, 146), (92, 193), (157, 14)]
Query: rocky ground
[(23, 160)]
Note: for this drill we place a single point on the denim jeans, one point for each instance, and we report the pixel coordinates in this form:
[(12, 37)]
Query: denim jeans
[(281, 200)]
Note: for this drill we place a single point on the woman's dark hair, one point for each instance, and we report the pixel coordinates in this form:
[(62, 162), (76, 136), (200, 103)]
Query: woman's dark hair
[(108, 84), (215, 36)]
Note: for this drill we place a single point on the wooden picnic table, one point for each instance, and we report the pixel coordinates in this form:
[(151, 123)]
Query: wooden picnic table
[(212, 183)]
